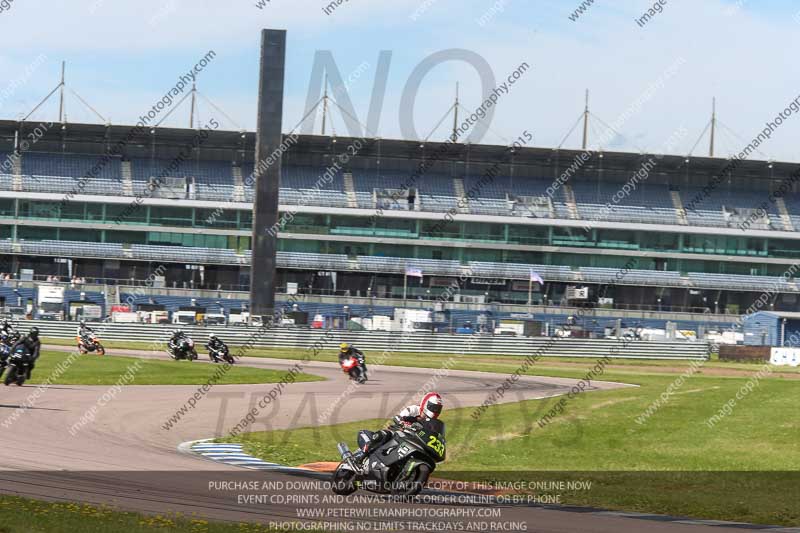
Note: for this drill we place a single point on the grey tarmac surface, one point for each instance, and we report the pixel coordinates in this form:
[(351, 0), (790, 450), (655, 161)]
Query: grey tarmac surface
[(125, 457)]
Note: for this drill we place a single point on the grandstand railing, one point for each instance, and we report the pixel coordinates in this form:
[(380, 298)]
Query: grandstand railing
[(394, 265)]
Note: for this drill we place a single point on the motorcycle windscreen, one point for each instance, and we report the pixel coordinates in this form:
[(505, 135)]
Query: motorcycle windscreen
[(433, 425)]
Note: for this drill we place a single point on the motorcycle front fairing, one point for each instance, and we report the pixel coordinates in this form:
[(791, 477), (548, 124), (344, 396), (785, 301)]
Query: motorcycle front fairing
[(420, 442), (431, 433), (386, 462), (20, 357)]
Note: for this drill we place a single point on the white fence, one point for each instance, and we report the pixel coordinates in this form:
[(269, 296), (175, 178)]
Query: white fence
[(374, 341)]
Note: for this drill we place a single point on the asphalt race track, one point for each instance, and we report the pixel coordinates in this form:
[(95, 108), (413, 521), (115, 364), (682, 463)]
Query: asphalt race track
[(125, 457)]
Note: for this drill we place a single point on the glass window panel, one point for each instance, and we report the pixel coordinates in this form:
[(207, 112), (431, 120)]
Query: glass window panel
[(170, 216), (126, 237), (80, 234), (127, 213), (35, 233)]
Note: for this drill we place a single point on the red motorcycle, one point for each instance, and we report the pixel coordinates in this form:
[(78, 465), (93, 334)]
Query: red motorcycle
[(353, 368)]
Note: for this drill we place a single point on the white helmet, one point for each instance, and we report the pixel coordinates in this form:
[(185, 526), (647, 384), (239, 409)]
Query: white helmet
[(431, 405)]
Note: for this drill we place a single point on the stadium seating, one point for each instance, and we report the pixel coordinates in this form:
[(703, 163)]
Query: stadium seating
[(71, 295), (645, 204), (436, 192), (10, 294), (303, 177), (725, 208), (206, 172), (68, 165), (172, 303)]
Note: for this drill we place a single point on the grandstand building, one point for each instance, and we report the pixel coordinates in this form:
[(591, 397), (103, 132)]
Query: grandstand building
[(678, 237)]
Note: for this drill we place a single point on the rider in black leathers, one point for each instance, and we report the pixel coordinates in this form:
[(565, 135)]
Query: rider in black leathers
[(214, 346), (32, 346), (175, 340)]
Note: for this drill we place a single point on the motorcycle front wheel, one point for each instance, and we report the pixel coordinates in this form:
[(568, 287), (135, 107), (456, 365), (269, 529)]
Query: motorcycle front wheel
[(100, 350), (11, 377), (343, 481), (412, 484)]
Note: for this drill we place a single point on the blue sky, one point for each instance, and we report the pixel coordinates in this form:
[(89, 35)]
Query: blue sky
[(123, 55)]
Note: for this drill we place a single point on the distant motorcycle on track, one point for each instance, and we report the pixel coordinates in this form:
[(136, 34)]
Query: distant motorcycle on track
[(218, 355), (90, 343), (18, 363), (354, 369), (184, 350)]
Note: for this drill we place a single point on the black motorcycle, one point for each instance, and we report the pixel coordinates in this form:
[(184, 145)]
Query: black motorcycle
[(5, 352), (18, 363), (400, 467), (184, 350), (220, 354)]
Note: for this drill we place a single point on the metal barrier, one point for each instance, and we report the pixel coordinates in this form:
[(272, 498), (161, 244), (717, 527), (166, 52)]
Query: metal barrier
[(379, 341)]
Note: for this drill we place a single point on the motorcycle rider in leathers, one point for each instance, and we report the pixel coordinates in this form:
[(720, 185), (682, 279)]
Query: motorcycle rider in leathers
[(32, 346), (215, 345), (428, 409)]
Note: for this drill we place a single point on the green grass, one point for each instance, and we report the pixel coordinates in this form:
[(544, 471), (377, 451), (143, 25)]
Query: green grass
[(97, 370), (744, 469), (21, 515), (479, 362), (637, 467)]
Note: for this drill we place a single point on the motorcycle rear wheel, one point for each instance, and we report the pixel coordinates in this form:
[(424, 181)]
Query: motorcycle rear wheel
[(343, 481)]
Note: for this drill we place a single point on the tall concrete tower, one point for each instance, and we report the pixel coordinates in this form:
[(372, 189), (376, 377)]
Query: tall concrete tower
[(267, 178)]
